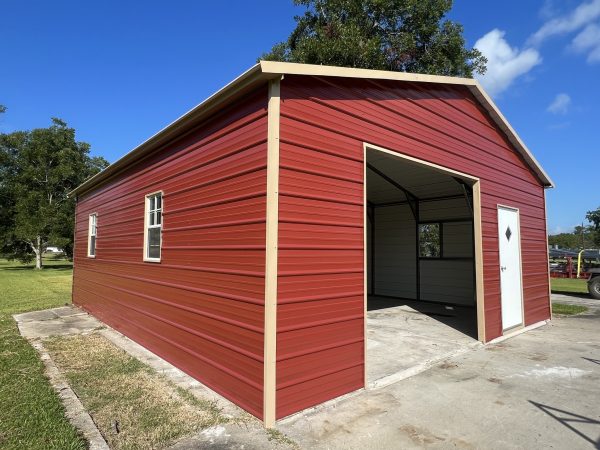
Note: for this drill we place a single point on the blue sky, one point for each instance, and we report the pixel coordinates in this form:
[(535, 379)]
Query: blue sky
[(119, 71)]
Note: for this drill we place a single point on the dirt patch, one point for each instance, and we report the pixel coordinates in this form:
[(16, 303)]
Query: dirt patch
[(495, 380), (132, 406), (448, 365), (420, 436), (538, 357)]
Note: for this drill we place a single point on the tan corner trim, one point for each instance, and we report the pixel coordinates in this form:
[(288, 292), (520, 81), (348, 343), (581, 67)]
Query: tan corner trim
[(479, 287), (548, 256), (270, 336), (365, 267)]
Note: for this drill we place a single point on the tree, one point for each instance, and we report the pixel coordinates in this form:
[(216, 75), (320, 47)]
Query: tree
[(398, 35), (594, 218), (37, 170)]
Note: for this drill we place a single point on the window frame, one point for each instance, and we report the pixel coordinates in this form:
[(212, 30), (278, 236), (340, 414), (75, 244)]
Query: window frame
[(147, 226), (92, 224)]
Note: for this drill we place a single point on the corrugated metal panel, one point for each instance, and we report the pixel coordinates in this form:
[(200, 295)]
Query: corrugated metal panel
[(202, 307), (323, 126), (395, 252)]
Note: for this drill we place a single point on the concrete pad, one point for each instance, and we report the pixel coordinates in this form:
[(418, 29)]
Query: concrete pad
[(402, 341), (580, 300), (61, 321), (540, 389), (35, 316)]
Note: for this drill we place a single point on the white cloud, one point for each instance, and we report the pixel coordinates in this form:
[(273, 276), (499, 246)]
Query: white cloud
[(505, 64), (588, 41), (584, 14), (560, 104)]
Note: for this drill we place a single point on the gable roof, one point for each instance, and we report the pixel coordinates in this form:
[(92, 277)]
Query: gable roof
[(263, 71)]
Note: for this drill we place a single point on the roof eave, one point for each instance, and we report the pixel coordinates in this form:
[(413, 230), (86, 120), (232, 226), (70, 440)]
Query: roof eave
[(246, 80)]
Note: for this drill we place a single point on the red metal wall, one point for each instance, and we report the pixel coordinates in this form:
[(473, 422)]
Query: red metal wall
[(202, 306), (324, 122)]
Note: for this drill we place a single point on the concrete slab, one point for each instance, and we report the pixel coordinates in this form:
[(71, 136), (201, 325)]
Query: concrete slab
[(56, 322), (403, 341), (582, 300), (540, 389)]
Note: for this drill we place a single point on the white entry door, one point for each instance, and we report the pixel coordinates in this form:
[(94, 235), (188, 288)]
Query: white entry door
[(509, 237)]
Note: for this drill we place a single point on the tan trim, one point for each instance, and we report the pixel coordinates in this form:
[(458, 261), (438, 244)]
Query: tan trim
[(517, 331), (267, 70), (145, 246), (365, 267), (512, 135), (477, 231), (89, 243), (522, 325), (285, 68), (479, 286), (548, 257), (434, 166), (270, 337)]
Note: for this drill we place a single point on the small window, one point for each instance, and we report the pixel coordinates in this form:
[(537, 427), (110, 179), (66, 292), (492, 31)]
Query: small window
[(92, 232), (429, 240), (153, 227)]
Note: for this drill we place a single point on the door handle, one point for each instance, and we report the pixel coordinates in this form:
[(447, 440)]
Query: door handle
[(502, 268)]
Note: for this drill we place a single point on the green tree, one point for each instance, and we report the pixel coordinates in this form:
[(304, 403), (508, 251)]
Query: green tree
[(398, 35), (594, 218), (37, 170)]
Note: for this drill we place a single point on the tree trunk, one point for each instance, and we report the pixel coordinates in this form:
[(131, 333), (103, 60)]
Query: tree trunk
[(38, 253)]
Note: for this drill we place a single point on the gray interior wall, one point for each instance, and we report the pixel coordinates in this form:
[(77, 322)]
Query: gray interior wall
[(443, 280), (395, 252)]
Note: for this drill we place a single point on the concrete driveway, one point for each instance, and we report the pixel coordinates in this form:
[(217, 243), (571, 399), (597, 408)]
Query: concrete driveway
[(540, 390)]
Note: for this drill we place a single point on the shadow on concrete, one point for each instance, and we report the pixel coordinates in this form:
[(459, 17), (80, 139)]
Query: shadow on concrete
[(595, 361), (461, 318), (567, 418)]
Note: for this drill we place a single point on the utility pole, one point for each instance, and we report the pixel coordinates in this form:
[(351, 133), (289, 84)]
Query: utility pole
[(582, 237)]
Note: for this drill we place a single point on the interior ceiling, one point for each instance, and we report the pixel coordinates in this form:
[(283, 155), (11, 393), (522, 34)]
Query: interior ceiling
[(422, 181)]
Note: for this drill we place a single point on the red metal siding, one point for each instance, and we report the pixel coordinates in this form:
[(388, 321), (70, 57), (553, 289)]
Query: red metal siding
[(202, 306), (324, 122)]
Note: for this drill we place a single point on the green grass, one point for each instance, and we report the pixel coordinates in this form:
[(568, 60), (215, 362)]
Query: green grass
[(132, 406), (568, 286), (567, 310), (31, 415)]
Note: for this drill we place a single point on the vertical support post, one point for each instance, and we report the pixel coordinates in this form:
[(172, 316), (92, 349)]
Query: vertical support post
[(272, 225), (478, 237), (418, 248), (373, 251)]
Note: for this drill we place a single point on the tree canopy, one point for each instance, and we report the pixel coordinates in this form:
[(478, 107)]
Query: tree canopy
[(594, 218), (399, 35), (38, 168)]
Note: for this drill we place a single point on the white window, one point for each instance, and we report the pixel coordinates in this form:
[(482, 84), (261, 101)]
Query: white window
[(153, 228), (92, 231)]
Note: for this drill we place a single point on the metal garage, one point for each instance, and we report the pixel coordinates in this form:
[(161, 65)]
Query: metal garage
[(247, 241)]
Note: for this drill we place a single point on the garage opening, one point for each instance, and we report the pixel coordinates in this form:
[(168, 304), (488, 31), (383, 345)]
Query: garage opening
[(421, 287)]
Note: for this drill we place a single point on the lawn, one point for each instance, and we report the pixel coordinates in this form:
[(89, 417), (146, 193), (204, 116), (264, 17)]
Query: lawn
[(567, 310), (31, 415), (568, 286)]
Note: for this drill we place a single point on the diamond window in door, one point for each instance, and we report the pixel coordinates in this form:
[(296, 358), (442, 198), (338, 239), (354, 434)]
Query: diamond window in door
[(508, 233)]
